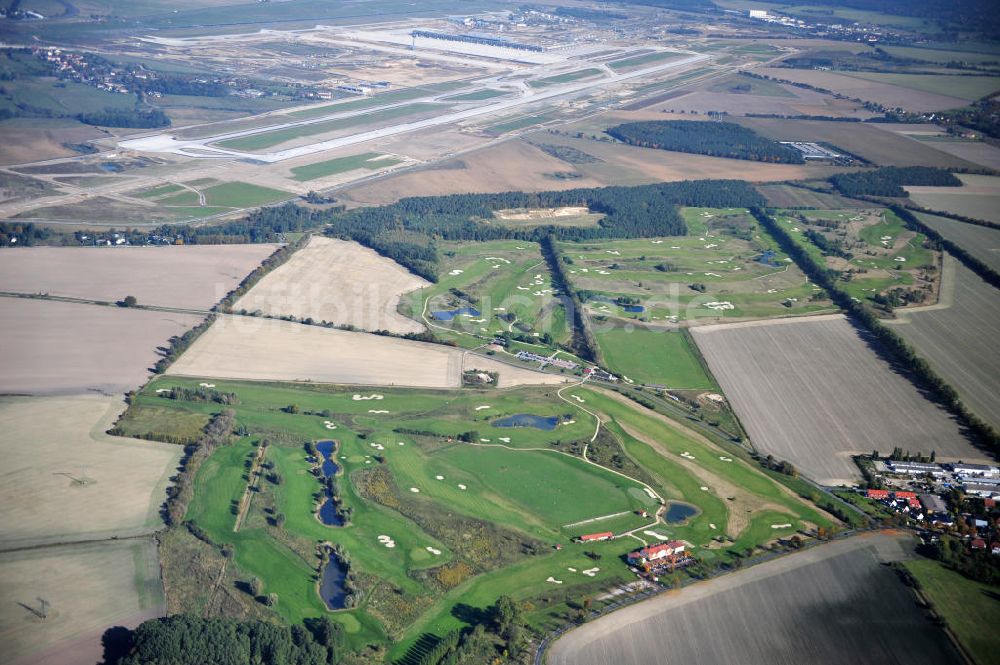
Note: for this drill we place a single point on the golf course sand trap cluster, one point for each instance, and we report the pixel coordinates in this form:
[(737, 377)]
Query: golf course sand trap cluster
[(833, 604), (88, 588), (813, 392), (62, 348), (273, 350), (337, 281), (195, 276), (74, 482)]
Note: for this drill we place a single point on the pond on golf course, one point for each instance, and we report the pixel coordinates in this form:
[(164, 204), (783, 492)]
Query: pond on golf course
[(528, 420), (331, 585), (328, 513), (677, 512)]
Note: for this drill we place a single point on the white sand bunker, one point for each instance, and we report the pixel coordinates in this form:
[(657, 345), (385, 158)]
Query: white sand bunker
[(402, 443), (497, 258), (359, 398), (439, 477), (163, 390), (433, 550), (455, 272), (781, 526), (703, 488), (712, 526), (572, 570), (330, 426), (687, 455), (462, 487), (377, 411), (649, 492), (415, 490), (654, 534), (578, 399), (553, 580), (568, 422), (591, 572), (485, 440), (484, 406), (207, 385), (725, 459), (505, 439), (387, 541), (377, 446)]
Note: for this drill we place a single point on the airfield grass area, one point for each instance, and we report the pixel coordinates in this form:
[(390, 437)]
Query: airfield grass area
[(267, 139), (469, 520), (971, 608), (242, 195), (568, 77), (368, 160)]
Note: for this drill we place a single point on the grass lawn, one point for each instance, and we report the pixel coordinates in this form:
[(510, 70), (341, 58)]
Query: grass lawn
[(639, 60), (242, 195), (972, 609), (565, 78), (519, 123), (477, 95), (366, 160), (653, 356)]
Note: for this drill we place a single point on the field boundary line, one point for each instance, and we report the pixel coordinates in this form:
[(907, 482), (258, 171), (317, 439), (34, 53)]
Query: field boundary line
[(252, 482)]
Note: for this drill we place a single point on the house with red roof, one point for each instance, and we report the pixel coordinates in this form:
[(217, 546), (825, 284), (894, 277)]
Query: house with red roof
[(594, 537), (878, 495), (656, 552), (905, 495), (978, 544)]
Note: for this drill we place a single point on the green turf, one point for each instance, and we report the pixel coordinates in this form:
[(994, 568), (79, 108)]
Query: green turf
[(639, 60), (157, 192), (242, 195), (477, 95), (182, 198), (341, 165), (654, 356), (565, 78), (972, 609)]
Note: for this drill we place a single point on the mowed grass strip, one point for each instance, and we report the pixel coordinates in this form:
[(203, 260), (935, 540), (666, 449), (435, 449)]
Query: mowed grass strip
[(264, 140), (242, 195), (652, 356), (636, 61), (341, 165), (477, 95), (565, 78)]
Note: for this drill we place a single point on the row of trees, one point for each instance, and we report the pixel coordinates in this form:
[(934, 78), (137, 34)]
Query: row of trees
[(178, 344), (717, 139), (890, 340), (215, 434), (497, 633), (22, 234), (584, 341), (138, 118), (191, 640), (971, 262), (889, 180)]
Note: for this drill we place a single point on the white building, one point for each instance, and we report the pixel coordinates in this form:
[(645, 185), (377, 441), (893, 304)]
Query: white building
[(976, 470)]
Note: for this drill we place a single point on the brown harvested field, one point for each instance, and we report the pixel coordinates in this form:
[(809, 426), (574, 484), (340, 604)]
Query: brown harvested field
[(64, 479), (978, 197), (916, 101), (958, 337), (337, 281), (813, 392), (835, 603), (977, 152), (273, 350), (63, 348), (194, 276), (869, 141), (89, 587), (981, 242), (25, 140), (789, 196), (518, 165)]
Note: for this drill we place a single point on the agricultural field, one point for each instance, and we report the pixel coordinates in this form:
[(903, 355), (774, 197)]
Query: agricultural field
[(489, 288), (240, 347), (768, 372), (193, 277), (74, 482), (978, 197), (966, 87), (981, 242), (970, 608), (336, 281), (57, 348), (874, 142), (88, 588), (790, 196), (787, 611), (957, 337), (369, 161), (726, 267), (416, 491), (874, 252), (887, 93)]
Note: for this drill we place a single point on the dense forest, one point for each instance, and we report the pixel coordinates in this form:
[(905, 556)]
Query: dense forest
[(137, 118), (702, 137), (889, 180)]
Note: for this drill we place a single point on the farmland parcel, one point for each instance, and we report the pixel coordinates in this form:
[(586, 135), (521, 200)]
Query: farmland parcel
[(981, 242), (784, 612), (340, 282), (957, 336), (813, 392), (188, 276)]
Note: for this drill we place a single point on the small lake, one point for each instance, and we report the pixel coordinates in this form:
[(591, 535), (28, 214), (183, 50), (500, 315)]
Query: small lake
[(678, 512), (528, 420), (768, 259), (451, 314), (634, 308), (328, 511), (331, 586)]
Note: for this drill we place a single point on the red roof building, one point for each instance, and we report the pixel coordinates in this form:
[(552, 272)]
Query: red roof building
[(591, 537), (655, 552), (878, 495), (906, 495), (914, 503), (978, 544)]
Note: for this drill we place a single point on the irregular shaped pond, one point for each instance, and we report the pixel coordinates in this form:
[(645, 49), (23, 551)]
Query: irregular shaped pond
[(678, 512), (331, 585), (451, 314), (528, 420)]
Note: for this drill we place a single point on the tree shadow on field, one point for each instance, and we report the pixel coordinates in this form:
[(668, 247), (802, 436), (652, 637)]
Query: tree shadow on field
[(469, 614), (117, 642)]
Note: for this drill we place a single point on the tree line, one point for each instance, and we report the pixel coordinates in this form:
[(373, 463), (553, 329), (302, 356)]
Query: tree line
[(918, 368), (889, 180), (584, 341), (716, 139)]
